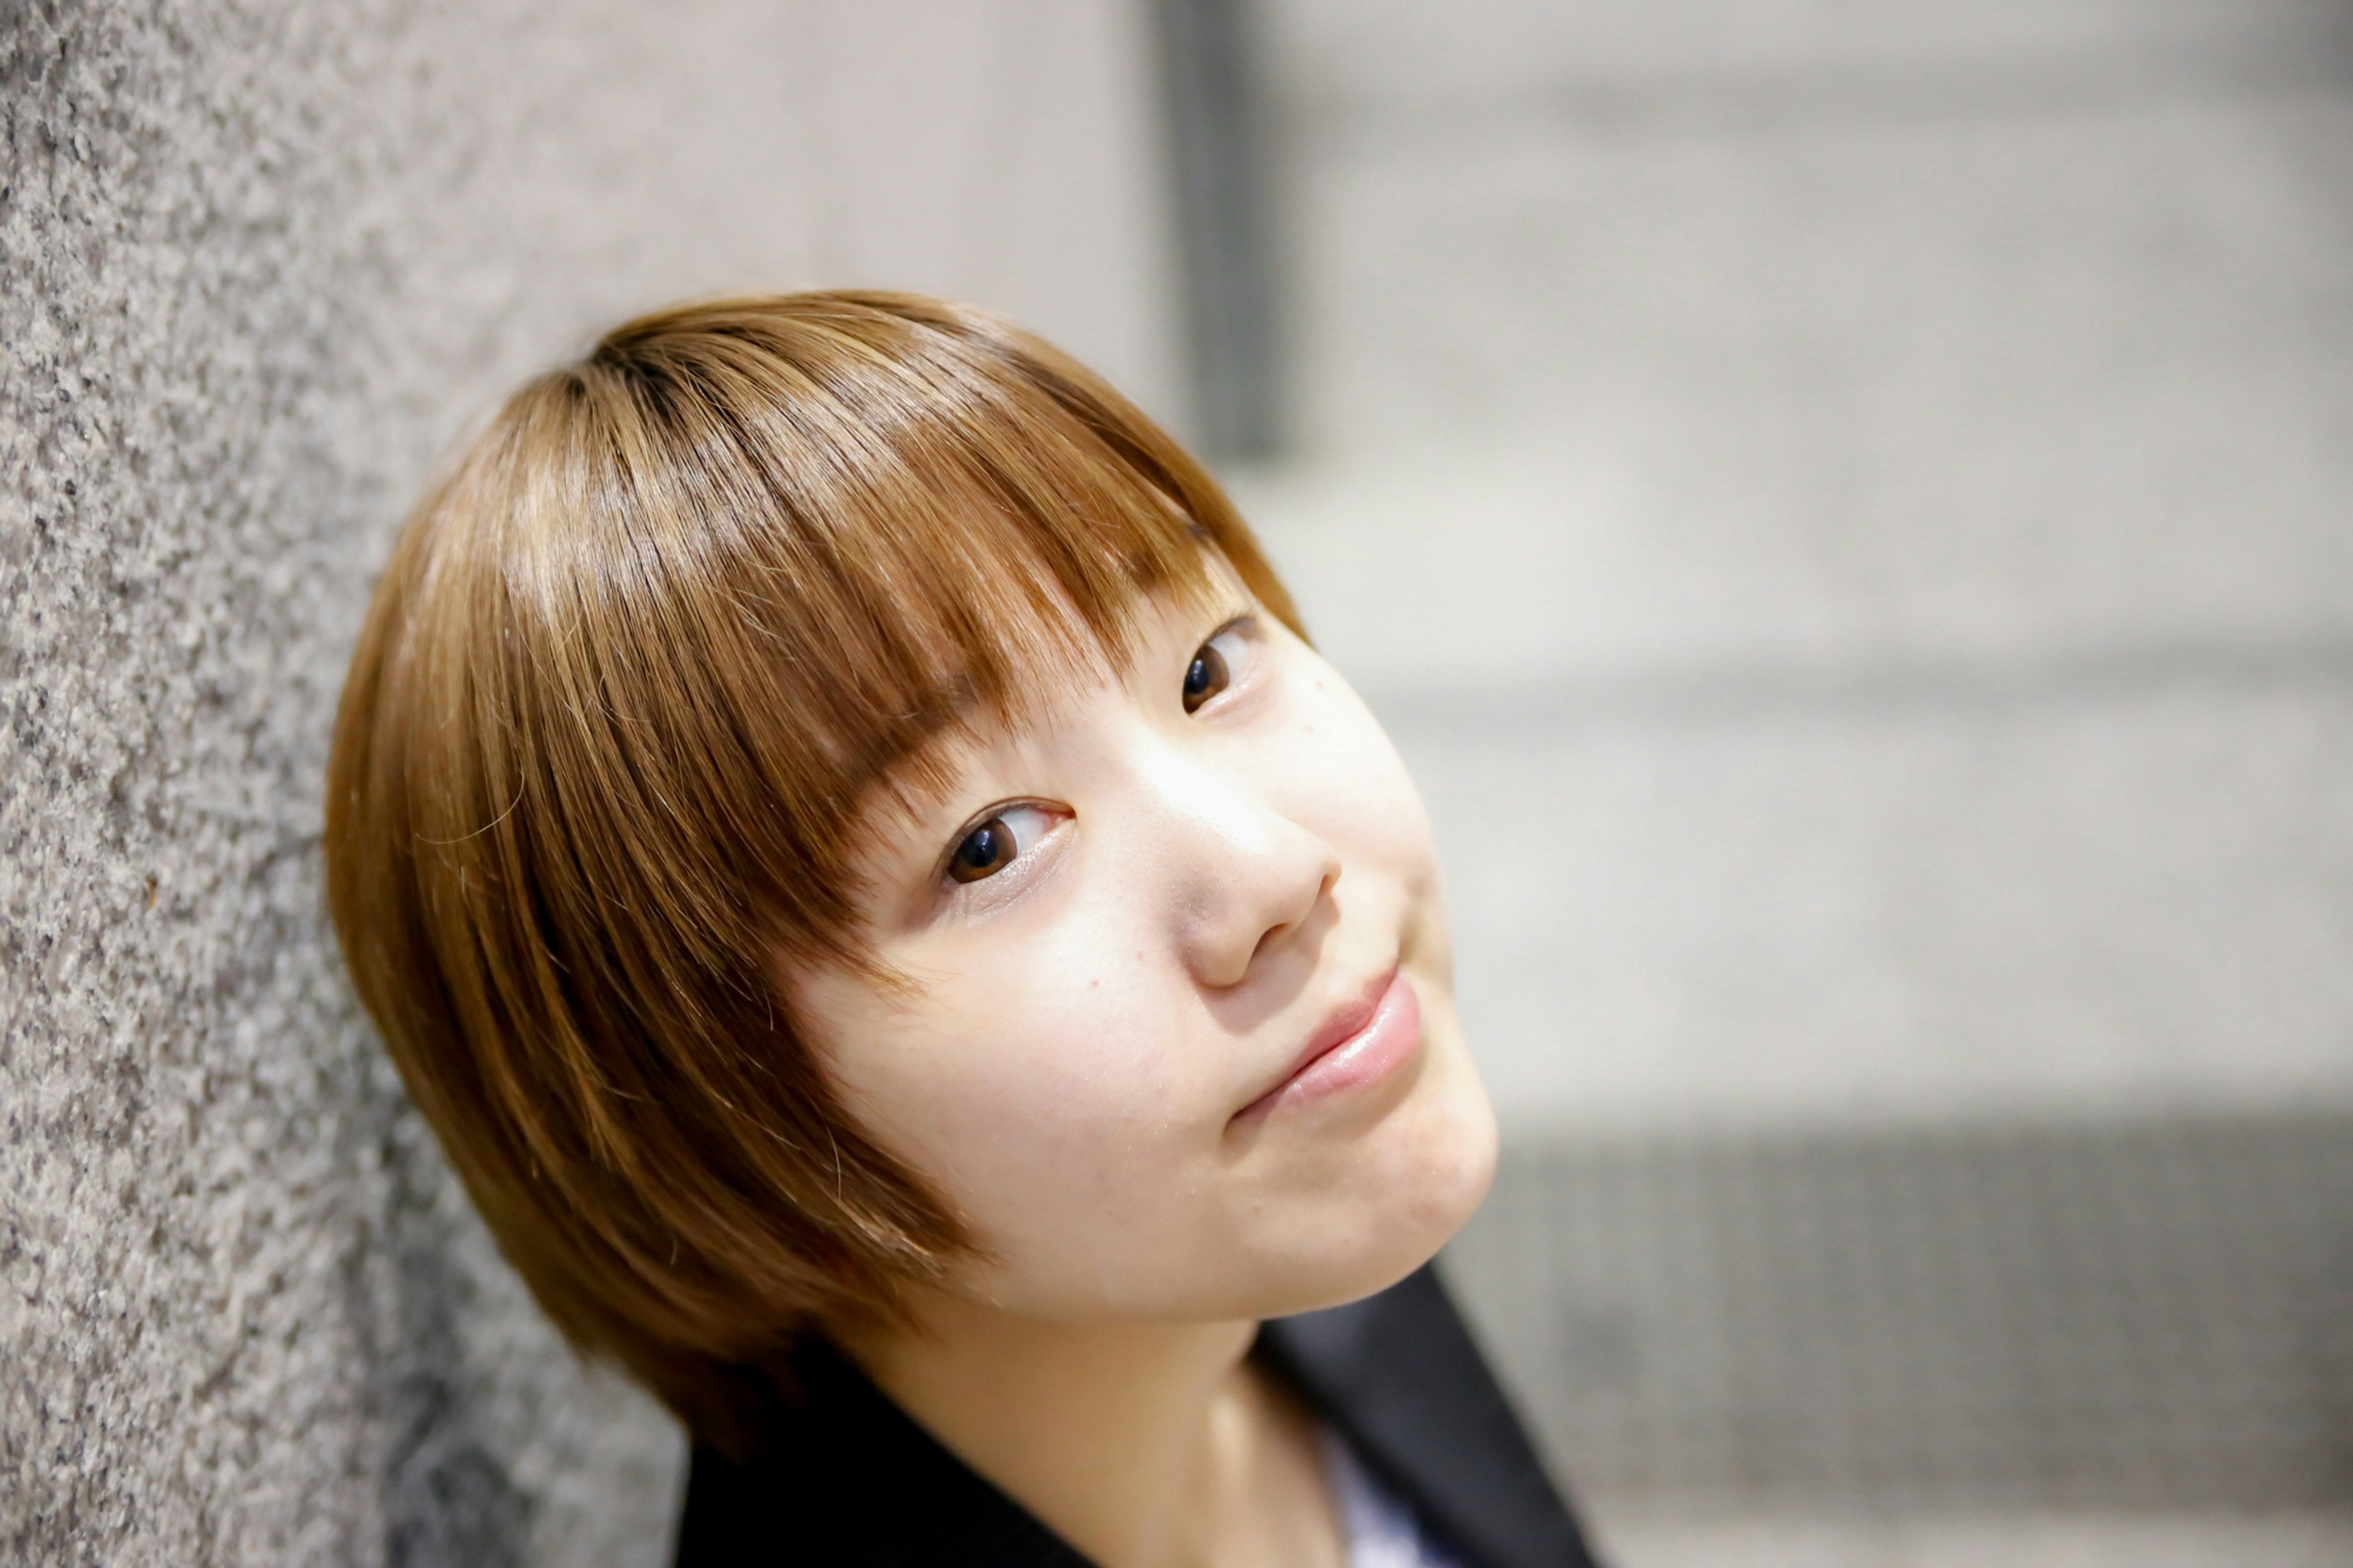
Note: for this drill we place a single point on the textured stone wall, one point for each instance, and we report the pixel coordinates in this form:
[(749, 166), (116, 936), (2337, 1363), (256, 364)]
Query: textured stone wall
[(260, 264)]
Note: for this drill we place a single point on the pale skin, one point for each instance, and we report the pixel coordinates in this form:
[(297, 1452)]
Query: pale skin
[(1125, 926)]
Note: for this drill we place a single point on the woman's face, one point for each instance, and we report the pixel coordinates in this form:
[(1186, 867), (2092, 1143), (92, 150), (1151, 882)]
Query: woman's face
[(1179, 1040)]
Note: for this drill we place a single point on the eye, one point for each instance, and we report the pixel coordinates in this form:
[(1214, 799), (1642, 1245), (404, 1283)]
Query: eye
[(996, 844), (1211, 670)]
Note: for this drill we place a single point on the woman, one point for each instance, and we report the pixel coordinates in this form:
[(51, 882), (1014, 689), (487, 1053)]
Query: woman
[(916, 957)]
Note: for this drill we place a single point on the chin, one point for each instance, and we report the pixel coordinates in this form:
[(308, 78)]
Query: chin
[(1418, 1187), (1338, 1226)]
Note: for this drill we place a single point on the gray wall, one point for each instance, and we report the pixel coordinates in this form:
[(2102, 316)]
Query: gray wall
[(260, 263)]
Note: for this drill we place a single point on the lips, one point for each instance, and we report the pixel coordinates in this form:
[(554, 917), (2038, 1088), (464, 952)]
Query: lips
[(1364, 1040)]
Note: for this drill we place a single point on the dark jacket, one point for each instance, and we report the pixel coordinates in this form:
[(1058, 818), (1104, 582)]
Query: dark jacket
[(848, 1478)]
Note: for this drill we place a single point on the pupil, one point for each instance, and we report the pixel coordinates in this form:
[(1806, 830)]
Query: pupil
[(1205, 676), (980, 847)]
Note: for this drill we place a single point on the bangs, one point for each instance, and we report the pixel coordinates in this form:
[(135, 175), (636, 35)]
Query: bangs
[(796, 555)]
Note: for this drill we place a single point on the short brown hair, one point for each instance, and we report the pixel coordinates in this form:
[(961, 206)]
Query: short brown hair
[(634, 668)]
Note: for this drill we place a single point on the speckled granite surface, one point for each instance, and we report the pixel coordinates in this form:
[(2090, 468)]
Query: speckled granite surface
[(259, 263)]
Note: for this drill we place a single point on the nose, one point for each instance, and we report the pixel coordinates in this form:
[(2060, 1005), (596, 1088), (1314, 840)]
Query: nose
[(1242, 875)]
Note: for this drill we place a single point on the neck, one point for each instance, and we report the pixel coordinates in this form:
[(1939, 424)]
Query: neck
[(1143, 1445)]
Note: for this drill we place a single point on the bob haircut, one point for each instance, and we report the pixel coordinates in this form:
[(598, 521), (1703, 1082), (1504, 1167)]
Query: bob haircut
[(637, 665)]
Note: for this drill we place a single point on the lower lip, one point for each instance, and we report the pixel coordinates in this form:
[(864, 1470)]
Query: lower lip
[(1366, 1057)]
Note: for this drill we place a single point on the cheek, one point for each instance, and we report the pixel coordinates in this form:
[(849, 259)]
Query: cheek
[(1039, 1093), (1341, 778)]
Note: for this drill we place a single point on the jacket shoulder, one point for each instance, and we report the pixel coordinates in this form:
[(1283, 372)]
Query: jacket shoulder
[(845, 1477)]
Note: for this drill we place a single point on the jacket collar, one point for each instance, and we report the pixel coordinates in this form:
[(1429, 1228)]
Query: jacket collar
[(1399, 1376)]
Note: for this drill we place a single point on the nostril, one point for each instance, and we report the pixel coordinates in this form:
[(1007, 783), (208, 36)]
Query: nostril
[(1282, 929)]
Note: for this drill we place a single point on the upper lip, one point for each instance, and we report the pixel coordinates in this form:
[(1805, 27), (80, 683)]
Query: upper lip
[(1344, 1022)]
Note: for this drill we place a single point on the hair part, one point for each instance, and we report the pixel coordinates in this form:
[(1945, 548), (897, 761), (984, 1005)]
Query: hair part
[(635, 669)]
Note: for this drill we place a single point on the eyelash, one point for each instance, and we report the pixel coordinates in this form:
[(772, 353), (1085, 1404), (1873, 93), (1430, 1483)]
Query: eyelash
[(988, 817), (1224, 666)]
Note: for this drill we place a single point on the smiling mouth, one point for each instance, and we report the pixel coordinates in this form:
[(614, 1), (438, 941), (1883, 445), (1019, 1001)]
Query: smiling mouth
[(1361, 1043)]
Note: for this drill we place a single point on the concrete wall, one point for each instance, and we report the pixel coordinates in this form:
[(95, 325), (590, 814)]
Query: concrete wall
[(260, 263)]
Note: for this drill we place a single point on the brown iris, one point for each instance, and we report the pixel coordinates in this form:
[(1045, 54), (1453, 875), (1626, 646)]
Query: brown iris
[(985, 851), (1205, 676)]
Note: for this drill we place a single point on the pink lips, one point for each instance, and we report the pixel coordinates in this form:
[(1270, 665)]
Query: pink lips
[(1361, 1043)]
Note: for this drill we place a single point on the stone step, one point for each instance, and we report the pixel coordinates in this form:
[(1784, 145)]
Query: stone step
[(2079, 1540), (1997, 1318)]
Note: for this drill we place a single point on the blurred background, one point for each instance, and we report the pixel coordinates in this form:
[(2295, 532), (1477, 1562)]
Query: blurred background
[(1847, 510)]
